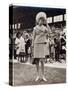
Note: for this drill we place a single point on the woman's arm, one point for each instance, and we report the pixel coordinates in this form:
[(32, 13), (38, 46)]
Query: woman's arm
[(48, 27)]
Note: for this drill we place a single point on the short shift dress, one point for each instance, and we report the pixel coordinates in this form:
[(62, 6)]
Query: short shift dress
[(40, 42)]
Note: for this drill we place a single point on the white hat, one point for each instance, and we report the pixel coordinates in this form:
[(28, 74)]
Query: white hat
[(41, 15)]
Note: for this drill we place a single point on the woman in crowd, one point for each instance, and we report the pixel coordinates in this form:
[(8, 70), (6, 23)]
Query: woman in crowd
[(22, 51), (39, 42), (27, 47), (18, 44)]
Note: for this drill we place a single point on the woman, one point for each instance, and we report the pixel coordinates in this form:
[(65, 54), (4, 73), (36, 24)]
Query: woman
[(18, 44), (39, 42), (27, 47), (22, 52)]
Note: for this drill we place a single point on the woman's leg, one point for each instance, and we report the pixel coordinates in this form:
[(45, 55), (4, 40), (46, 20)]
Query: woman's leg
[(42, 69), (37, 67)]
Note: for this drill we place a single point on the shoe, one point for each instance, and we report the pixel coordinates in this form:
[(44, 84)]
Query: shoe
[(37, 78), (44, 79)]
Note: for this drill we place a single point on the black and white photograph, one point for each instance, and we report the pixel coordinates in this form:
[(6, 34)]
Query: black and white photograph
[(37, 45)]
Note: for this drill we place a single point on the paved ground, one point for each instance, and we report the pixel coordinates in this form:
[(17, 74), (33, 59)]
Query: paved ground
[(25, 74), (55, 64)]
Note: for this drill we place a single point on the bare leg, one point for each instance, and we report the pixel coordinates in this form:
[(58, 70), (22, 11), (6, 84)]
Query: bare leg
[(37, 66), (42, 69)]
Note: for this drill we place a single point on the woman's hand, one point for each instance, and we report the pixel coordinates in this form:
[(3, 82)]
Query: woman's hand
[(46, 22), (48, 27)]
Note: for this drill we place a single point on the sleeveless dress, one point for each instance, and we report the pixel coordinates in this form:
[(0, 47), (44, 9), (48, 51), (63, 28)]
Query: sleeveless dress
[(40, 42)]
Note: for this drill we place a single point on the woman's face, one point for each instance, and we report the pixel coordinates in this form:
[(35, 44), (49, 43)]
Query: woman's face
[(41, 21)]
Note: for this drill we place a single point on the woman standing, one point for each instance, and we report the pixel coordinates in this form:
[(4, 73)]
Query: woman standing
[(22, 52), (27, 47), (18, 45), (40, 42)]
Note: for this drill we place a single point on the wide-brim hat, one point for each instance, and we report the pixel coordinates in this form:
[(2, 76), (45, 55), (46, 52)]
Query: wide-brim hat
[(41, 15)]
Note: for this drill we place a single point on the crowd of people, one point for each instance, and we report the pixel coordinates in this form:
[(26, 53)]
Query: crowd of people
[(22, 46), (23, 50)]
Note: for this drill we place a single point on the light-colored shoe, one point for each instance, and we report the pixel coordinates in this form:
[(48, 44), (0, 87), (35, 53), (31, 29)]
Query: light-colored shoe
[(44, 79), (37, 78)]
